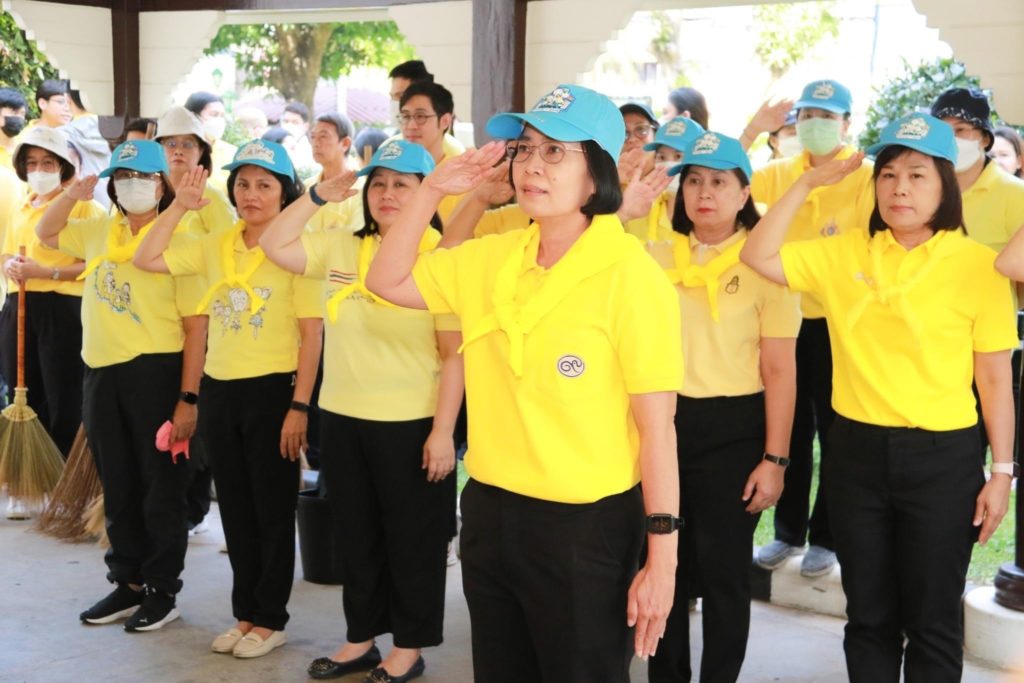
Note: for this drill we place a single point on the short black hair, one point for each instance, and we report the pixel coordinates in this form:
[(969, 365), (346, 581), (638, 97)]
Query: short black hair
[(440, 97), (291, 188), (165, 201), (298, 108), (275, 134), (413, 70), (748, 215), (368, 137), (20, 162), (604, 172), (691, 100), (51, 87), (342, 124), (198, 101), (950, 213), (12, 99), (370, 226), (140, 125)]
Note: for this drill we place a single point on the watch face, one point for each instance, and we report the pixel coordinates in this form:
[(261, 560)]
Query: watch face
[(660, 524)]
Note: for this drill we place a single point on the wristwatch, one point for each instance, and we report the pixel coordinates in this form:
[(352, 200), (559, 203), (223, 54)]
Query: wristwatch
[(777, 459), (1010, 468), (188, 397), (663, 523), (317, 199)]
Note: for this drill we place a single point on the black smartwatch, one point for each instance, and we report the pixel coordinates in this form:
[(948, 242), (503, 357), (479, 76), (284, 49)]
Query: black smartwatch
[(188, 397), (777, 459), (317, 199), (300, 406), (663, 523)]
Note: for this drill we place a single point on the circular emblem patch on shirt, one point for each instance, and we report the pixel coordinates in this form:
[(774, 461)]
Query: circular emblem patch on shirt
[(571, 366)]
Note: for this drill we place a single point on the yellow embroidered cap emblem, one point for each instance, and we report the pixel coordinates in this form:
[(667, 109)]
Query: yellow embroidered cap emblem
[(914, 129)]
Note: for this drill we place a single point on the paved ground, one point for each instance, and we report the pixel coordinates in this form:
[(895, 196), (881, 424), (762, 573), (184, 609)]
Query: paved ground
[(44, 584)]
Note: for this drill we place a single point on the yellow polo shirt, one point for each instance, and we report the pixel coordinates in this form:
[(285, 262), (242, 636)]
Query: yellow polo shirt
[(215, 217), (380, 362), (563, 429), (243, 343), (347, 215), (12, 194), (723, 357), (501, 220), (994, 207), (908, 362), (22, 232), (126, 312), (828, 210), (222, 153), (640, 228)]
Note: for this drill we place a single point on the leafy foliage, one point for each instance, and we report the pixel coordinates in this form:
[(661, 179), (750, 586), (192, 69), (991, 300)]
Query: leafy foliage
[(22, 65), (787, 32), (913, 90)]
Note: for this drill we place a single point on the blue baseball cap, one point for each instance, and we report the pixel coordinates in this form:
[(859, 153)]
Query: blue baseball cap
[(639, 108), (144, 156), (713, 150), (400, 156), (677, 134), (569, 113), (831, 96), (265, 154), (921, 132)]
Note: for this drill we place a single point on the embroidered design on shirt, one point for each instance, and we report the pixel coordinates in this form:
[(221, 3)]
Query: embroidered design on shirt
[(823, 91), (733, 285), (229, 312), (829, 229), (256, 151), (339, 277), (706, 144), (556, 101), (571, 366), (117, 296), (914, 129)]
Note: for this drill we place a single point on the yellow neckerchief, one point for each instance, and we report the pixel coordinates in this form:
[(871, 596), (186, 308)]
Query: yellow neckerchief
[(802, 163), (367, 250), (690, 274), (942, 245), (117, 252), (232, 278), (601, 245), (658, 209)]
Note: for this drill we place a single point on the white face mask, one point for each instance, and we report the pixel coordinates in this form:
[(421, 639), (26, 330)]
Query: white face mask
[(214, 127), (136, 195), (790, 146), (673, 183), (43, 183), (968, 152)]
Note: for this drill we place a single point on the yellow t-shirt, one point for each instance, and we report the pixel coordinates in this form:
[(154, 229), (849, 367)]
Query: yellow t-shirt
[(22, 232), (6, 160), (828, 210), (347, 215), (659, 217), (723, 358), (994, 207), (243, 343), (12, 194), (607, 326), (908, 362), (126, 312), (380, 362), (214, 218)]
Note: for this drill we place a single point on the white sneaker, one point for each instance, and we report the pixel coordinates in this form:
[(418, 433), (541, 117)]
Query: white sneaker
[(16, 509), (200, 528)]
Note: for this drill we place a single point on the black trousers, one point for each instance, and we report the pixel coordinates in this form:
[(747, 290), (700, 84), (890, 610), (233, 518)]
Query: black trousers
[(53, 360), (257, 490), (813, 416), (198, 494), (721, 441), (143, 489), (393, 527), (901, 503), (546, 585)]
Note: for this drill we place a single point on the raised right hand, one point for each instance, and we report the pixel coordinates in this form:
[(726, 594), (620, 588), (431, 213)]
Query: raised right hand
[(189, 192), (832, 171), (81, 190), (338, 188), (468, 171)]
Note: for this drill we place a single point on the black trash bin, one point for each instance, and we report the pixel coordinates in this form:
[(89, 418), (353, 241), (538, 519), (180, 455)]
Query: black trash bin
[(318, 546)]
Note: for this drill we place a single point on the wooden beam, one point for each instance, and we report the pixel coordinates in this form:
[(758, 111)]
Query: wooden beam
[(87, 3), (124, 22), (237, 5), (499, 60)]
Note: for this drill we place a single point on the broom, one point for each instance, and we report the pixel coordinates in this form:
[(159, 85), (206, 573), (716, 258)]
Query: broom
[(30, 463), (64, 516)]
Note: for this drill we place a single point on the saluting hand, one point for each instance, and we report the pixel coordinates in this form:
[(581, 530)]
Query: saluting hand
[(81, 190), (467, 171), (640, 194), (832, 171), (764, 487), (189, 193), (338, 188), (769, 117), (496, 189), (630, 162)]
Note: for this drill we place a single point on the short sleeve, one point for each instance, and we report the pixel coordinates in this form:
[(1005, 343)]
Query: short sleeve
[(498, 221), (316, 244), (73, 238), (804, 263), (184, 255), (308, 296), (779, 314), (436, 278), (995, 325), (447, 323), (188, 288), (217, 216), (647, 333), (760, 186)]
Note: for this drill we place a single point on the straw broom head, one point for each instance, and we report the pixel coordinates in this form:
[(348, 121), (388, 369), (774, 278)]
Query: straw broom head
[(30, 463), (78, 486)]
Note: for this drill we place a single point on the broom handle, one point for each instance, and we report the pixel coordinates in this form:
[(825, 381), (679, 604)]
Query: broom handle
[(21, 325)]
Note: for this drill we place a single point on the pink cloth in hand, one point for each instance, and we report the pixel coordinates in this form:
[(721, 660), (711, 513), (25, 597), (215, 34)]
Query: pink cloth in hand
[(163, 442)]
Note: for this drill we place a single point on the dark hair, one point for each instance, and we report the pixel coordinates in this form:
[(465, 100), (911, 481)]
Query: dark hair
[(291, 188), (275, 134), (12, 99), (67, 169), (140, 125), (950, 213), (1013, 137), (413, 70), (368, 137), (198, 101), (748, 215), (603, 170), (691, 100), (298, 108), (440, 97), (76, 97), (370, 226), (165, 200), (51, 87), (341, 123)]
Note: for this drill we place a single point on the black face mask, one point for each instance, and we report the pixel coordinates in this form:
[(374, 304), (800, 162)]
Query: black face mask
[(13, 125)]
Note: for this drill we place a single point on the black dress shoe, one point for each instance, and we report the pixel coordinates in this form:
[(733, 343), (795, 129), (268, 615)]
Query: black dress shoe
[(379, 675), (325, 667)]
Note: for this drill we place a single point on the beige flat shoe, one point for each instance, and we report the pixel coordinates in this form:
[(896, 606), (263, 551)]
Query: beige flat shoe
[(251, 645), (225, 642)]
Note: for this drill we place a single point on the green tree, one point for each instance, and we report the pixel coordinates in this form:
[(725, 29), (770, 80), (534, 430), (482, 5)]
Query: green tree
[(290, 58), (22, 65), (913, 90), (787, 32)]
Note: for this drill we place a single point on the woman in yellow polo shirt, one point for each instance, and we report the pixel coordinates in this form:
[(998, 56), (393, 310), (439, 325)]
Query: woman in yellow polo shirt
[(735, 409), (572, 365), (264, 346), (136, 377), (915, 309)]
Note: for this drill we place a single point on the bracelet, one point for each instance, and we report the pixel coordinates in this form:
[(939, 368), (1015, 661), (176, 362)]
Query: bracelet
[(300, 406), (317, 199), (777, 459), (189, 397)]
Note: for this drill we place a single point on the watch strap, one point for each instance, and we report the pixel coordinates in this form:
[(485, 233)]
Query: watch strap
[(300, 406), (189, 397), (317, 199), (1010, 468), (777, 459), (663, 523)]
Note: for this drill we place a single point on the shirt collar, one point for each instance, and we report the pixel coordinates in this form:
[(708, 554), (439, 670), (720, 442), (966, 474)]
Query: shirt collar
[(721, 246), (988, 178), (889, 241)]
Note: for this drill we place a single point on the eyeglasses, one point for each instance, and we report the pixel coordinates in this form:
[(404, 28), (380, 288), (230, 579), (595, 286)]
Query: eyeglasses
[(187, 145), (550, 152), (419, 117), (127, 174), (639, 132)]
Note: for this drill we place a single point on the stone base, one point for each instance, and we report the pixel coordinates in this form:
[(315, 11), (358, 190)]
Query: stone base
[(992, 633)]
